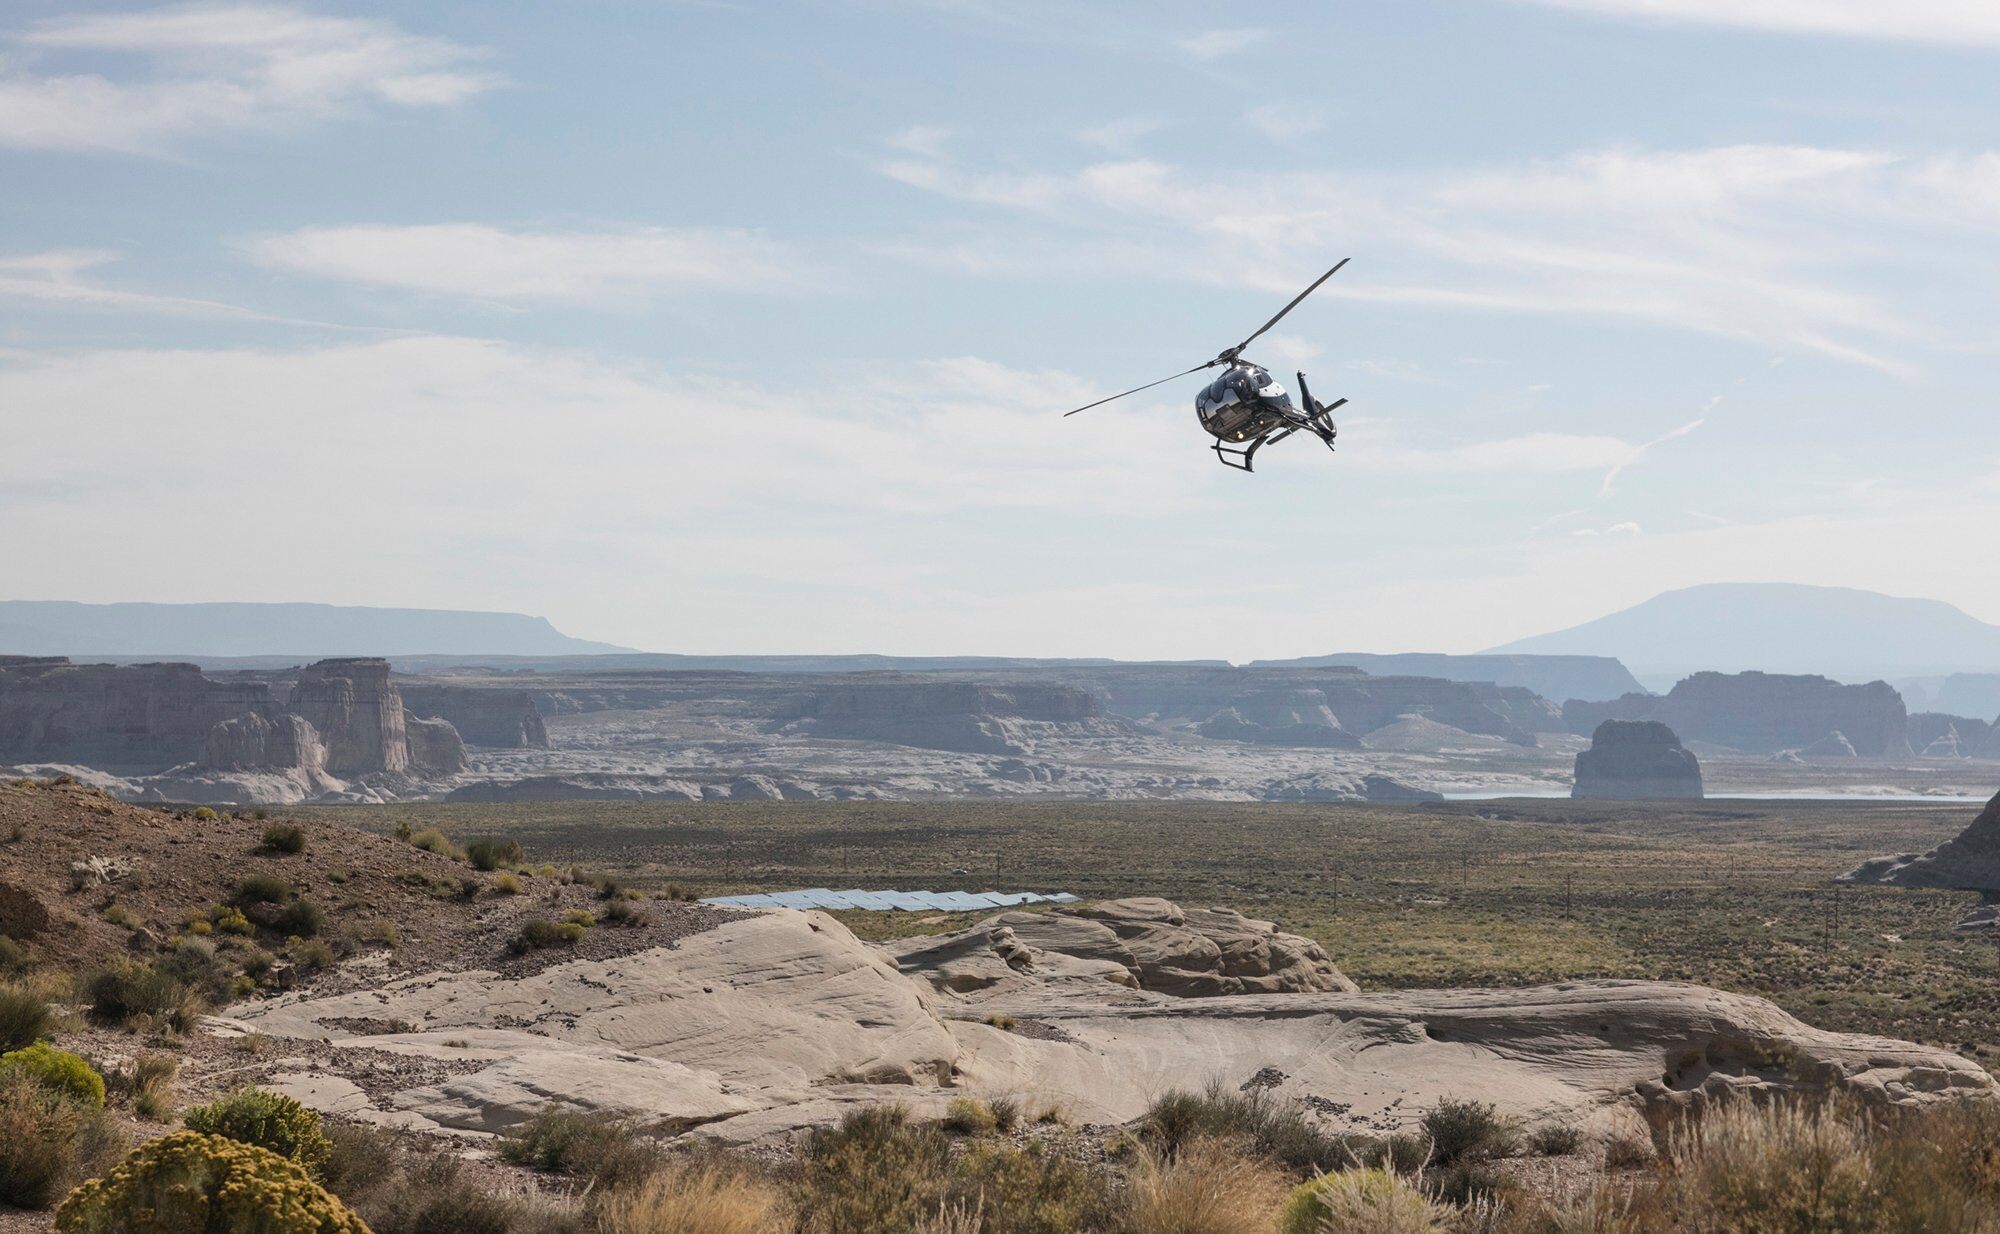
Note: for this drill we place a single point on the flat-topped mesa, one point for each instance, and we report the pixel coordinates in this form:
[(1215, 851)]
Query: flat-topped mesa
[(969, 717), (1358, 703), (358, 713), (1969, 861), (1636, 760), (1763, 713), (130, 718)]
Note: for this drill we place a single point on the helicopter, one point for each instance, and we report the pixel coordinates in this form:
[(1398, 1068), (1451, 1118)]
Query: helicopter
[(1247, 404)]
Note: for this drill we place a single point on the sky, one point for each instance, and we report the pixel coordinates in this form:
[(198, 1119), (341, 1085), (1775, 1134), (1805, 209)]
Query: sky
[(747, 327)]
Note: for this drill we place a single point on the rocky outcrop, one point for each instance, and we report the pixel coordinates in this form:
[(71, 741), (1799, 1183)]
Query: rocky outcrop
[(358, 713), (497, 719), (1332, 787), (782, 1019), (1145, 943), (1636, 760), (1969, 861), (129, 719), (1592, 677), (1282, 717), (253, 742), (1358, 703), (435, 750), (1764, 713), (1834, 745), (948, 715), (1934, 734)]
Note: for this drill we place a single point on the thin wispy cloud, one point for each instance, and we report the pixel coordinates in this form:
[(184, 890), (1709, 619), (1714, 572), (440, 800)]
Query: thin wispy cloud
[(1283, 121), (1974, 22), (1214, 44), (203, 69), (1639, 452), (71, 278), (479, 261), (1757, 243)]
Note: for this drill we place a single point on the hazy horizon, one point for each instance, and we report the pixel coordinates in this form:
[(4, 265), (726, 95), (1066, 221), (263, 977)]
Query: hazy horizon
[(715, 329)]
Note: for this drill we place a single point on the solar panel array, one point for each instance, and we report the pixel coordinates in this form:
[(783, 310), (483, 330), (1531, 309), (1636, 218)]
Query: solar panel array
[(896, 901)]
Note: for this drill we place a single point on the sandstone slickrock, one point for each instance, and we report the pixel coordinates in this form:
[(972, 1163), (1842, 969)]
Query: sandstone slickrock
[(131, 718), (783, 1019), (1636, 760), (1969, 861), (1763, 713)]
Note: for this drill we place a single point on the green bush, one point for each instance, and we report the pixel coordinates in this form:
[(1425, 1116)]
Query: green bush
[(262, 889), (1028, 1191), (301, 919), (59, 1071), (875, 1172), (605, 1149), (1278, 1131), (284, 838), (24, 1018), (970, 1116), (1555, 1140), (1362, 1201), (126, 990), (1463, 1131), (47, 1141), (205, 814), (493, 854), (539, 932), (431, 840), (188, 1182), (269, 1120)]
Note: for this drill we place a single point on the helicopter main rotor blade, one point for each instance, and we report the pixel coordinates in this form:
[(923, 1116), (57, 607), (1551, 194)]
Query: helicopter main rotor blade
[(1149, 385), (1233, 352)]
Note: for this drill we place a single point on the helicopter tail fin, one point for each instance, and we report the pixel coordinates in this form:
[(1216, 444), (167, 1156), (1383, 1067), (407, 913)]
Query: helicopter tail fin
[(1318, 414)]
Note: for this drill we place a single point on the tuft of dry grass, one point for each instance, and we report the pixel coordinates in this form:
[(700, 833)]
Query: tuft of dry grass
[(1209, 1187), (695, 1199)]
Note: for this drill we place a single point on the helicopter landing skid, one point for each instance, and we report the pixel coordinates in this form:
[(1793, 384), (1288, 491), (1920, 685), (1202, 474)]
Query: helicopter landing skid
[(1241, 459)]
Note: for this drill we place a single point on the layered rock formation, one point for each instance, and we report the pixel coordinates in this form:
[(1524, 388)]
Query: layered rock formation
[(1281, 717), (358, 713), (129, 719), (499, 719), (1969, 861), (947, 715), (1934, 734), (1636, 760), (1764, 713), (776, 1020)]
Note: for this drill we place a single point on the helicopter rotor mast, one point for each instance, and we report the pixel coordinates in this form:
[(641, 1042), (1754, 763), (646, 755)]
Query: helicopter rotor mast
[(1228, 355)]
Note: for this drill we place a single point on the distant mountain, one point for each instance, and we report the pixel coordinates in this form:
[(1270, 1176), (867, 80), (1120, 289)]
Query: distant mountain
[(1596, 678), (1839, 632), (301, 631)]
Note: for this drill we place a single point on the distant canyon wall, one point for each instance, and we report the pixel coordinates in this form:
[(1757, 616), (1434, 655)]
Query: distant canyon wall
[(1764, 713)]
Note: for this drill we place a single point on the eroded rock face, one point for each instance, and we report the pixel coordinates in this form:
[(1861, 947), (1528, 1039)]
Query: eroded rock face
[(948, 715), (131, 718), (434, 745), (254, 742), (358, 713), (1969, 861), (493, 718), (1935, 734), (1764, 713), (1146, 943), (1280, 718), (1636, 760)]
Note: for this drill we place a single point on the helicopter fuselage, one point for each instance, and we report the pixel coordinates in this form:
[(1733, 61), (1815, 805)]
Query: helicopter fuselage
[(1243, 404)]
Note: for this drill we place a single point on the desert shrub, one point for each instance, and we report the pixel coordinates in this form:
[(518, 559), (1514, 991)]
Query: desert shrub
[(874, 1172), (24, 1017), (13, 955), (59, 1071), (431, 840), (310, 955), (119, 915), (507, 885), (1029, 1191), (301, 919), (621, 913), (127, 992), (284, 838), (1208, 1188), (47, 1141), (1006, 1112), (579, 917), (1555, 1140), (148, 1082), (1005, 1023), (969, 1116), (269, 1120), (383, 932), (432, 1196), (1278, 1131), (696, 1199), (204, 814), (1468, 1183), (189, 1181), (1359, 1202), (359, 1157), (538, 932), (1779, 1168), (605, 1149), (1466, 1131), (493, 854), (262, 889)]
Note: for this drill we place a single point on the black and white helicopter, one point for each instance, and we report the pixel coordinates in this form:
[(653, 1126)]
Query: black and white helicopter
[(1246, 408)]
